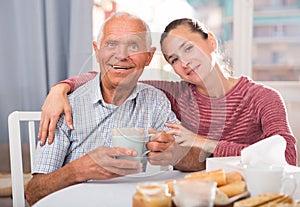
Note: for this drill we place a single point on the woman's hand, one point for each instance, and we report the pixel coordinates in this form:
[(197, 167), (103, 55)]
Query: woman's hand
[(189, 139), (192, 148), (56, 103)]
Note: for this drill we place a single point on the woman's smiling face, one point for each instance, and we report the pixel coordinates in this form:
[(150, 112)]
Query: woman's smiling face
[(189, 54)]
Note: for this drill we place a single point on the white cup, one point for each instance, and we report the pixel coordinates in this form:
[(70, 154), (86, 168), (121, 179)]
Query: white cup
[(268, 178), (296, 175), (194, 193), (133, 138)]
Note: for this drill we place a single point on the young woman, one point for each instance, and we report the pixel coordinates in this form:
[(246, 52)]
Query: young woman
[(226, 113)]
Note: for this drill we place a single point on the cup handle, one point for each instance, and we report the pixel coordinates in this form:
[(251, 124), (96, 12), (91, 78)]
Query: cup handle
[(145, 153), (149, 136), (293, 180)]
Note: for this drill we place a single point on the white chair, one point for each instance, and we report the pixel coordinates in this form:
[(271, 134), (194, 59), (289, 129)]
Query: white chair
[(16, 164)]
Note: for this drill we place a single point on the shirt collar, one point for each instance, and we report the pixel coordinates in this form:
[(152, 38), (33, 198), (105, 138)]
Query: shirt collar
[(96, 94)]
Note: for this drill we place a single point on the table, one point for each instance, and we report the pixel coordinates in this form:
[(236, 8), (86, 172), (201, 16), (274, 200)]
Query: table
[(106, 193)]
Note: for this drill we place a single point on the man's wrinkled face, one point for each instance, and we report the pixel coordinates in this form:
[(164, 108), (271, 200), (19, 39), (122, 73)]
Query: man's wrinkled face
[(123, 52)]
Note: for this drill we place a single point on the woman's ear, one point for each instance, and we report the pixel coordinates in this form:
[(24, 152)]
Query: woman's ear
[(212, 41)]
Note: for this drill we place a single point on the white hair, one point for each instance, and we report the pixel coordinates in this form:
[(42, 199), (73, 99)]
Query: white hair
[(126, 14)]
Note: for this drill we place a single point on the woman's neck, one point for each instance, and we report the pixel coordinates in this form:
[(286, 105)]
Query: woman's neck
[(217, 84)]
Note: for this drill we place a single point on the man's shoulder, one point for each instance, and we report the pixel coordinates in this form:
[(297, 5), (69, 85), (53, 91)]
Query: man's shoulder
[(85, 90), (148, 89)]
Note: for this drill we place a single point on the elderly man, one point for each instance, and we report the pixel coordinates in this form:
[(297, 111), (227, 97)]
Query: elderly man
[(112, 99)]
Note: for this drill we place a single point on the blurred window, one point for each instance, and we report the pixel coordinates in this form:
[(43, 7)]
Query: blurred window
[(276, 30)]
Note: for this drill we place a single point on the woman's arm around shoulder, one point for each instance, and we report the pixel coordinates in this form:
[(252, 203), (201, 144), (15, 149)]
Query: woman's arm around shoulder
[(57, 103)]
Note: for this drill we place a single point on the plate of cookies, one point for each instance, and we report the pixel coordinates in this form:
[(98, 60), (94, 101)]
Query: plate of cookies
[(230, 186), (268, 200)]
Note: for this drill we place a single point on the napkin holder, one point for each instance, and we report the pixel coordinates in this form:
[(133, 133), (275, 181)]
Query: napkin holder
[(253, 154), (229, 164)]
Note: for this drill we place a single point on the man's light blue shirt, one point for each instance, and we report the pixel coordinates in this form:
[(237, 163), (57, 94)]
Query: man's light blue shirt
[(93, 119)]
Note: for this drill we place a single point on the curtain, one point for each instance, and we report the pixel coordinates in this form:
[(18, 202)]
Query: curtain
[(41, 43)]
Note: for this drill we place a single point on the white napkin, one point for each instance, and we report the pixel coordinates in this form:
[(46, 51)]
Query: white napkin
[(269, 151)]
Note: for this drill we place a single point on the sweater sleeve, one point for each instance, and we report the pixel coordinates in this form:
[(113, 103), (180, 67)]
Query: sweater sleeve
[(226, 148), (274, 120), (79, 80), (272, 116)]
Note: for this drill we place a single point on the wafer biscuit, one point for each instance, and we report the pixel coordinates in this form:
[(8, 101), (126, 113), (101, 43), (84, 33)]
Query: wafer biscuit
[(257, 200), (284, 199)]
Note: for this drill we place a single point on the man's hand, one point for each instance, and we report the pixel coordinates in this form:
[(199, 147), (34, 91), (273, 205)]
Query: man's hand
[(55, 104), (193, 148), (99, 164), (107, 166), (164, 149), (188, 152)]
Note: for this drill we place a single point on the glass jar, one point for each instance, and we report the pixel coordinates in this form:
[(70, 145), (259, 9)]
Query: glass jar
[(152, 195)]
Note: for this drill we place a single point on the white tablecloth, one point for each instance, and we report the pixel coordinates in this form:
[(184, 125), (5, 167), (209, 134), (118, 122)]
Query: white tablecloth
[(115, 192)]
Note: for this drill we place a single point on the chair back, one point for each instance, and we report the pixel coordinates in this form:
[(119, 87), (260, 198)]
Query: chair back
[(15, 148)]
